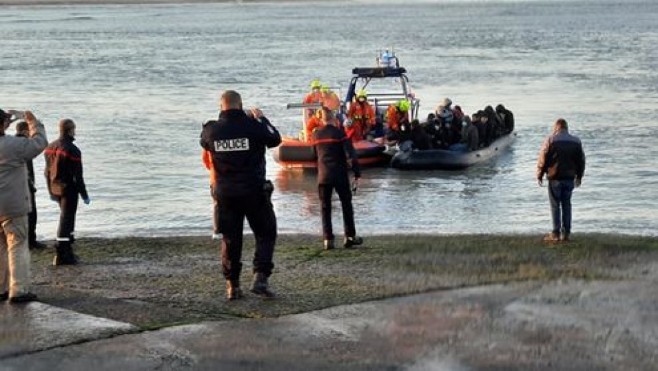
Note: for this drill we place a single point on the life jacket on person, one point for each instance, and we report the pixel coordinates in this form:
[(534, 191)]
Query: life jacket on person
[(311, 125), (329, 99), (314, 96), (397, 115), (362, 116)]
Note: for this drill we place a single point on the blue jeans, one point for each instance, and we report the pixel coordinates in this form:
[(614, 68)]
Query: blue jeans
[(559, 195)]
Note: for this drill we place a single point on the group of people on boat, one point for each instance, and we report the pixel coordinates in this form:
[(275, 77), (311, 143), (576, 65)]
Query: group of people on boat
[(449, 128), (446, 128)]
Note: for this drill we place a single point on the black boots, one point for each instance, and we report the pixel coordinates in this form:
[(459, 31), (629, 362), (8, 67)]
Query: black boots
[(23, 298), (329, 244), (348, 243), (260, 286), (64, 255), (352, 242), (233, 291)]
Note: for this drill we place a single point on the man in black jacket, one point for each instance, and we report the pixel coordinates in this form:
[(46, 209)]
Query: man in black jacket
[(335, 155), (562, 159), (23, 130), (237, 142), (65, 185)]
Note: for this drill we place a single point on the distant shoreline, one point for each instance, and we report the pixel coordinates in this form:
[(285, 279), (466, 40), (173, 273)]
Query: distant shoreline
[(132, 2)]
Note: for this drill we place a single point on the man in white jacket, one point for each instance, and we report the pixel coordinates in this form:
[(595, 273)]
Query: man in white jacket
[(15, 205)]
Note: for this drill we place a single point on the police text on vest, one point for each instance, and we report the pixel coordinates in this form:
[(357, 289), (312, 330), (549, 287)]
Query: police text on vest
[(230, 145)]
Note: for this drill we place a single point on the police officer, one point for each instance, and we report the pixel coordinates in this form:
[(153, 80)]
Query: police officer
[(65, 185), (335, 155), (237, 142)]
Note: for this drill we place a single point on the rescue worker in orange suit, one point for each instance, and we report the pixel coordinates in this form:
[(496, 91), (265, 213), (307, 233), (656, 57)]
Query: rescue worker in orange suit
[(206, 157), (397, 118), (362, 116), (313, 123), (238, 142), (314, 96), (335, 155), (330, 98), (65, 185)]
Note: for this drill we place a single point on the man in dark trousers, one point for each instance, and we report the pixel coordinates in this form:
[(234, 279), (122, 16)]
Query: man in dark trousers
[(23, 131), (335, 156), (237, 142), (65, 184), (562, 159)]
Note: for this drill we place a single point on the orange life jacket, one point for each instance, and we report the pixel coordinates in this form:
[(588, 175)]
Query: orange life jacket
[(313, 123), (392, 118), (362, 112), (331, 101)]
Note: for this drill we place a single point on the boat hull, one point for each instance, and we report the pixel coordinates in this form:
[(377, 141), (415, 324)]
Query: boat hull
[(293, 153), (449, 160)]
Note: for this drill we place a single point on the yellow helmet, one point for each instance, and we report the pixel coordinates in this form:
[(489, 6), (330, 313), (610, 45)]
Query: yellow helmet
[(404, 105), (325, 88), (316, 84), (362, 93)]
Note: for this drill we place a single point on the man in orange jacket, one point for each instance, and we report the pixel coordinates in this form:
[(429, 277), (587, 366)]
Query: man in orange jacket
[(362, 116), (312, 124), (397, 116), (330, 98), (314, 96)]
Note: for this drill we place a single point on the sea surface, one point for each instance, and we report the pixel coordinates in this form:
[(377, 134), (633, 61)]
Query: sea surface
[(140, 80)]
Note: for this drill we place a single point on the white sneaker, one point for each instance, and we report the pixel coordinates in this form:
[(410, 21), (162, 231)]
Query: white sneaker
[(216, 236)]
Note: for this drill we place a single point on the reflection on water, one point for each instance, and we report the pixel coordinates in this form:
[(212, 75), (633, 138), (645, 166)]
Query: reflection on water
[(391, 201)]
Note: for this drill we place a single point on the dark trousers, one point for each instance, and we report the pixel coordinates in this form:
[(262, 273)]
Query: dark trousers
[(345, 195), (32, 221), (68, 207), (559, 195), (258, 210)]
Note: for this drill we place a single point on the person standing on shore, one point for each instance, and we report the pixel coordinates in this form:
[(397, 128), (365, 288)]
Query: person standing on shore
[(237, 142), (65, 184), (23, 130), (15, 205), (562, 159), (335, 155)]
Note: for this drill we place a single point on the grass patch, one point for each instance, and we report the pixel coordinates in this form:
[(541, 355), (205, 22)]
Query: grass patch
[(158, 282)]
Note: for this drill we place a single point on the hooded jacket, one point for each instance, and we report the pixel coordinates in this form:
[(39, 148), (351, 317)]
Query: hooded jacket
[(14, 153)]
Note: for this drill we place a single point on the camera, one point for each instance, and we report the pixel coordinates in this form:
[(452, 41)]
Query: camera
[(16, 115)]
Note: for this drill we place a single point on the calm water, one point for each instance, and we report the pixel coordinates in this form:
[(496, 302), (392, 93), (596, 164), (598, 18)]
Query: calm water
[(140, 80)]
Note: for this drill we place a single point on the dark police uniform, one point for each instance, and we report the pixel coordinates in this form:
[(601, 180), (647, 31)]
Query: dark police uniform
[(333, 149), (65, 184), (237, 143)]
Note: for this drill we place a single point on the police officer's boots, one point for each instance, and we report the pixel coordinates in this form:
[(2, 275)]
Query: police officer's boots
[(233, 291), (260, 286)]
